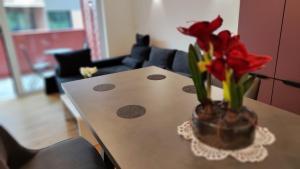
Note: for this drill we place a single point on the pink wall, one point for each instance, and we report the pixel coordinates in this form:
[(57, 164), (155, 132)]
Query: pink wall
[(37, 42), (260, 29)]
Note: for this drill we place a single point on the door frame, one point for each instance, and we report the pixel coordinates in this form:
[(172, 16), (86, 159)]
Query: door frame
[(101, 21), (11, 53)]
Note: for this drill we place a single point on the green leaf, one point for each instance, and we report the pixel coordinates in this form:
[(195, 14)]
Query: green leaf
[(197, 76), (243, 79), (248, 83), (198, 51), (234, 95), (237, 91)]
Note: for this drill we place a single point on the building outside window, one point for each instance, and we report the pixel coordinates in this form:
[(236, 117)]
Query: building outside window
[(43, 15), (20, 19), (59, 20)]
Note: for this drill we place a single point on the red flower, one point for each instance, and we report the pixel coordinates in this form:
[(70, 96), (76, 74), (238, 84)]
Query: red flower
[(203, 31), (242, 64), (231, 53), (221, 42), (241, 61), (217, 68)]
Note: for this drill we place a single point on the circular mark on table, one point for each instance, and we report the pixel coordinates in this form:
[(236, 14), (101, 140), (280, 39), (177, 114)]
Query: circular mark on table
[(189, 89), (156, 77), (104, 87), (131, 111)]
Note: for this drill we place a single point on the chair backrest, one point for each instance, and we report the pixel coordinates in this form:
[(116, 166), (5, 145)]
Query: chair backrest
[(3, 155), (252, 93), (12, 154)]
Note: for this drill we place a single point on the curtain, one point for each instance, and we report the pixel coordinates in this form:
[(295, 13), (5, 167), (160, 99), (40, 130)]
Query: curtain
[(91, 27)]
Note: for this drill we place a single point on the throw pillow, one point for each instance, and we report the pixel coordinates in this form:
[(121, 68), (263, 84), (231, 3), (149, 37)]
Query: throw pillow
[(70, 62), (140, 52), (142, 40), (146, 64), (131, 62), (161, 57), (181, 63)]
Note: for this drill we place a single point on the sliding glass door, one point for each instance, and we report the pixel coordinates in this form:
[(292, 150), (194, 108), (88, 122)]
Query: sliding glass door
[(10, 81), (33, 31)]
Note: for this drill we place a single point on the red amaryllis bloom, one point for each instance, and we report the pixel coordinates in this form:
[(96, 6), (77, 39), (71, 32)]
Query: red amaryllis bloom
[(240, 60), (221, 43), (217, 68), (203, 31), (242, 64), (231, 53)]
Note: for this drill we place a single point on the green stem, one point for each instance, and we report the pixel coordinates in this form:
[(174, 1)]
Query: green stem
[(208, 87)]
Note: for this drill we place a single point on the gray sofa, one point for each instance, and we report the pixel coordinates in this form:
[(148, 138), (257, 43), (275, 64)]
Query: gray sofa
[(170, 59)]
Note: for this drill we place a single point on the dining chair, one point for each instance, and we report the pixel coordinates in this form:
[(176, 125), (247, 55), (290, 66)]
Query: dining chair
[(253, 91), (74, 153)]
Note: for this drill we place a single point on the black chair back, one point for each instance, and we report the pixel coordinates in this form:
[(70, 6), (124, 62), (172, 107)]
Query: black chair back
[(12, 154)]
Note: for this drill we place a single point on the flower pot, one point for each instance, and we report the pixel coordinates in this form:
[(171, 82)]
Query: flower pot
[(225, 129)]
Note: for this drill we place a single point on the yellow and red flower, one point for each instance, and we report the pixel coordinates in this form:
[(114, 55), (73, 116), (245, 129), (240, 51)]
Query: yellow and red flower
[(223, 56), (231, 53), (203, 32)]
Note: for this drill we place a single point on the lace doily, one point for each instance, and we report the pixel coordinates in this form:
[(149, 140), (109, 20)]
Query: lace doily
[(254, 153)]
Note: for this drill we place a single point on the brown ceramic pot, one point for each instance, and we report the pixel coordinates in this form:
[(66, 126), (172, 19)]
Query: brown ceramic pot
[(221, 133)]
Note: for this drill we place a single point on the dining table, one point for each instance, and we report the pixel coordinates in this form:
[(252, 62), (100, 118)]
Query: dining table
[(134, 116)]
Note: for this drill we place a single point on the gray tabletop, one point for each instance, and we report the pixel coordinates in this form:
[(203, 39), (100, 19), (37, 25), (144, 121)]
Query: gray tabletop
[(150, 141)]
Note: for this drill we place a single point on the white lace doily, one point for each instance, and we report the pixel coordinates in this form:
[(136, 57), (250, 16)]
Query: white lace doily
[(254, 153)]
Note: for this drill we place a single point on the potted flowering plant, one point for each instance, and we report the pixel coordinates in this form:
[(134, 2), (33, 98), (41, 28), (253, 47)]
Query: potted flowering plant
[(225, 124)]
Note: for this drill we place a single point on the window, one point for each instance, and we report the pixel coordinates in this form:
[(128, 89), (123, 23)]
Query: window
[(59, 19), (20, 19)]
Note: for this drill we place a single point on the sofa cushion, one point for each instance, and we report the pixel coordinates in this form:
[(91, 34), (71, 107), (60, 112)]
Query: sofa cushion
[(146, 64), (181, 63), (131, 62), (142, 40), (140, 53), (72, 153), (112, 69), (70, 62), (161, 57), (184, 74)]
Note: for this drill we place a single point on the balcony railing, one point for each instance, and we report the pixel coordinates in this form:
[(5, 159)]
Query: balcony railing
[(36, 43)]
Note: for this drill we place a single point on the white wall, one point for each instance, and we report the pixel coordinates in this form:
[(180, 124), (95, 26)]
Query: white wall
[(119, 25), (77, 20), (160, 18)]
